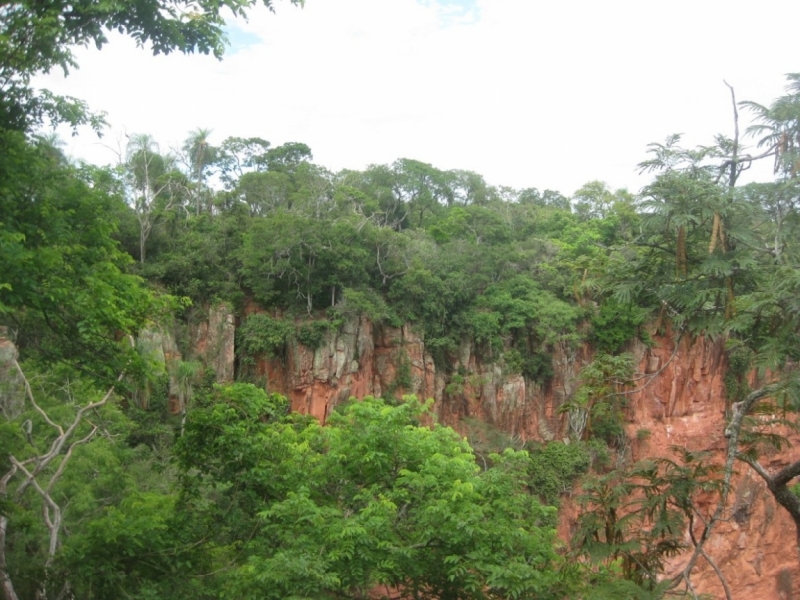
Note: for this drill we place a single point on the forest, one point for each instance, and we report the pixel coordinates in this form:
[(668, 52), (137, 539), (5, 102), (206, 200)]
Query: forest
[(125, 474)]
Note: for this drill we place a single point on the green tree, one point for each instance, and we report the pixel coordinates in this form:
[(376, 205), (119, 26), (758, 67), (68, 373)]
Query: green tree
[(199, 156), (238, 156), (155, 185), (44, 488), (373, 499), (38, 37), (64, 288), (732, 276)]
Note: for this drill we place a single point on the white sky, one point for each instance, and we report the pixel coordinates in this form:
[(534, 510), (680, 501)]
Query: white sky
[(528, 93)]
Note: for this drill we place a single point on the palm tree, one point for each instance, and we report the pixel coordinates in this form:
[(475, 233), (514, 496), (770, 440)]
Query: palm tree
[(778, 126), (200, 155)]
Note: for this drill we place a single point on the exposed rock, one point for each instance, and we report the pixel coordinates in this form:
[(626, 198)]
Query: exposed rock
[(12, 390)]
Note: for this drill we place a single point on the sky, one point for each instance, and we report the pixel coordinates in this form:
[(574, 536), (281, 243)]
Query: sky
[(527, 93)]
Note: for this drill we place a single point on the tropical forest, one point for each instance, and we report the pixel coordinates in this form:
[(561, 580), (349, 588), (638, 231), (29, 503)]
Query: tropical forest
[(229, 372)]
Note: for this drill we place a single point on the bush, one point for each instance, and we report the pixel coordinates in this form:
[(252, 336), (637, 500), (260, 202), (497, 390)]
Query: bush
[(402, 376), (554, 468), (261, 334), (607, 423), (614, 324), (312, 334), (537, 366)]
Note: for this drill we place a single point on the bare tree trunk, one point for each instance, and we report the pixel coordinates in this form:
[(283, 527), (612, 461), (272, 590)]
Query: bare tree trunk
[(5, 579)]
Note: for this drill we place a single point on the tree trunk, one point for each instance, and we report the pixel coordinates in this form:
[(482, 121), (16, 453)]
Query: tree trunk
[(142, 244), (5, 579), (681, 259)]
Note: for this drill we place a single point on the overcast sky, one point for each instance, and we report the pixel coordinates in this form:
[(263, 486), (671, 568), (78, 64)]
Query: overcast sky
[(528, 93)]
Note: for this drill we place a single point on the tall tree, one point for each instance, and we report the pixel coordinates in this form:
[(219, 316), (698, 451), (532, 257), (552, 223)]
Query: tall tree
[(63, 286), (154, 183), (199, 156)]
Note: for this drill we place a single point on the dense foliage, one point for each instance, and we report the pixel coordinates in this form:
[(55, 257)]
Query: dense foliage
[(105, 493)]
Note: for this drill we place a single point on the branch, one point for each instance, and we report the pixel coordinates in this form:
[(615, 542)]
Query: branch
[(732, 431), (786, 474), (60, 471), (722, 579), (58, 443), (29, 394), (53, 525)]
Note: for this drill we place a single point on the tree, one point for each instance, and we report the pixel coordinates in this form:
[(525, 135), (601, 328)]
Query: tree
[(38, 37), (735, 275), (64, 289), (682, 197), (154, 184), (637, 517), (422, 187), (41, 470), (779, 128), (373, 499), (263, 192), (238, 156), (199, 155)]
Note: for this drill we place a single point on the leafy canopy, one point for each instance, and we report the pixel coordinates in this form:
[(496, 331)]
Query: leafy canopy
[(374, 498)]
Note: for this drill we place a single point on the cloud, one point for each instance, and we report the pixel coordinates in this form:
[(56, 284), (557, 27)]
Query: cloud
[(538, 94)]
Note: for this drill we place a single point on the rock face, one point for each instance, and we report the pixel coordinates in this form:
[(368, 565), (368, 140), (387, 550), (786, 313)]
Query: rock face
[(12, 391), (213, 341), (679, 400)]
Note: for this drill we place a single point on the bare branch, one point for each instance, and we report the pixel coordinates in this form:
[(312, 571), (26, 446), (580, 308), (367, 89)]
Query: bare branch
[(721, 577), (29, 394)]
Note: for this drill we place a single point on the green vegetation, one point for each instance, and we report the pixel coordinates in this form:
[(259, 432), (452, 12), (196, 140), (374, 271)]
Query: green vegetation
[(384, 501), (262, 334), (555, 467), (127, 473)]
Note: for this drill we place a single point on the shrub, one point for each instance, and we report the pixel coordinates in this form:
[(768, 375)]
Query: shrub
[(554, 468), (312, 334), (614, 324), (261, 334)]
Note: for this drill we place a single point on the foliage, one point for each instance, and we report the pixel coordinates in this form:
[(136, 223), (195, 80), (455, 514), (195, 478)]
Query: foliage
[(39, 37), (64, 286), (367, 302), (71, 450), (372, 499), (637, 518), (261, 334), (614, 324), (312, 334), (265, 504), (740, 361), (596, 408), (402, 375), (555, 466)]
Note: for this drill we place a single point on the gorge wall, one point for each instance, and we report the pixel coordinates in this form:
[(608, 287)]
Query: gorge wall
[(678, 400)]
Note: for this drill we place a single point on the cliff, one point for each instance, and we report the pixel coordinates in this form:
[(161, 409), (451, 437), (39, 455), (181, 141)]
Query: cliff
[(678, 400)]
